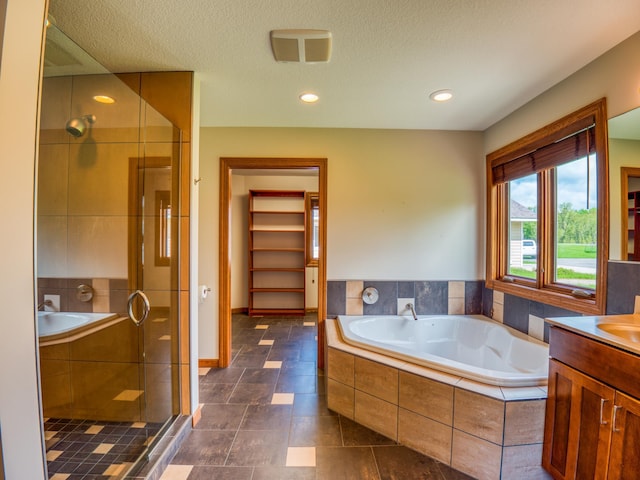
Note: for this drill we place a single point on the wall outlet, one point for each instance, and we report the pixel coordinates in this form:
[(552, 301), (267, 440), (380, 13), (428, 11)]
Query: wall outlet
[(55, 303)]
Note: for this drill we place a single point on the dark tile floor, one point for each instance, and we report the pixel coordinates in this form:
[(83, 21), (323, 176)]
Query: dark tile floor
[(94, 450), (266, 417)]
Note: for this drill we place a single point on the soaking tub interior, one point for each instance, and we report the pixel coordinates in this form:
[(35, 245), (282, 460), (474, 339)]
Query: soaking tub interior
[(470, 346)]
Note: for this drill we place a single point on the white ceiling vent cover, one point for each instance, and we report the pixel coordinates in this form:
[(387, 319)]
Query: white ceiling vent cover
[(304, 46)]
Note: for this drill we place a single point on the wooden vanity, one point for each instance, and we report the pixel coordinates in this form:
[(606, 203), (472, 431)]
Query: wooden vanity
[(592, 422)]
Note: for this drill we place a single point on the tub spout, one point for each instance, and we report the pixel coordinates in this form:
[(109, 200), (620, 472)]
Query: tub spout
[(413, 310), (46, 303)]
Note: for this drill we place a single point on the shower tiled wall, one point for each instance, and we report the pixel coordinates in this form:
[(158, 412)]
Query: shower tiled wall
[(109, 294), (472, 297)]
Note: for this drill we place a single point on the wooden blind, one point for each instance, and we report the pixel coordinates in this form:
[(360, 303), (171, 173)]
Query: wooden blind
[(565, 150)]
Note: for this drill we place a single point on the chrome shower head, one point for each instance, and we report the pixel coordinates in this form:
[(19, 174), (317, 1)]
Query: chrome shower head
[(77, 126)]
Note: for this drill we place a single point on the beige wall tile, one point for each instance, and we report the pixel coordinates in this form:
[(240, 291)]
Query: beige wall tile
[(99, 178), (97, 246), (354, 289), (456, 306), (53, 179), (376, 414), (524, 422), (479, 415), (425, 435), (52, 245), (354, 306), (456, 289), (340, 398), (376, 379), (476, 457), (524, 463), (426, 397), (341, 367), (55, 109)]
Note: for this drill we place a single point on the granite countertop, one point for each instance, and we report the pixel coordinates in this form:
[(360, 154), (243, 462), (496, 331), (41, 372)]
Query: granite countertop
[(621, 331)]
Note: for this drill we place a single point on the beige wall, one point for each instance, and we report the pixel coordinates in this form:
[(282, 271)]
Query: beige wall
[(20, 418), (614, 75), (403, 205)]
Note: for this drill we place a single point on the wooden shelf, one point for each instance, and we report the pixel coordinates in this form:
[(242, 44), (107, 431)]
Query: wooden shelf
[(276, 252), (633, 225)]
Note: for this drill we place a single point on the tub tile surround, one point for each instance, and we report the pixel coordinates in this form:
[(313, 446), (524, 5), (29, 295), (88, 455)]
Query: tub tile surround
[(485, 431), (472, 297), (109, 294), (428, 297)]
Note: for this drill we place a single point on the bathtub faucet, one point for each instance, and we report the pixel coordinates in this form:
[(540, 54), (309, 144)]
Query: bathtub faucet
[(413, 310), (46, 303)]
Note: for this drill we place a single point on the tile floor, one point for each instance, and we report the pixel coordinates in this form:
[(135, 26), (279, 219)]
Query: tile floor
[(266, 417), (94, 450)]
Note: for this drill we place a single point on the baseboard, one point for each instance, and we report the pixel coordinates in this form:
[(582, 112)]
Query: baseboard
[(240, 310), (208, 363), (197, 415)]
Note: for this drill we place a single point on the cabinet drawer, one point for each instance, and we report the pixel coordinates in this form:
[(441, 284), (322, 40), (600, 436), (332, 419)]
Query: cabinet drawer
[(615, 367)]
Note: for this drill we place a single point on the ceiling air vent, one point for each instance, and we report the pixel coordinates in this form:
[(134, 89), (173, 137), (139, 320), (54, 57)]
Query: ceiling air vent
[(304, 46)]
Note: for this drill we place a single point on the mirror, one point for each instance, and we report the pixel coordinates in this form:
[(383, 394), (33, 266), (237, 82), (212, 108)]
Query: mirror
[(624, 177)]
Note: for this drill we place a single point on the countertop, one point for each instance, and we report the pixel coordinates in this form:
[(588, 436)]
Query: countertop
[(592, 327)]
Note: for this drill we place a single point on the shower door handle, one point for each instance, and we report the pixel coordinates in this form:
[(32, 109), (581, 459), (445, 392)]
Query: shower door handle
[(145, 311)]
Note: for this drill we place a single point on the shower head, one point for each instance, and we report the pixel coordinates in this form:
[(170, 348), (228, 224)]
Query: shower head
[(77, 126)]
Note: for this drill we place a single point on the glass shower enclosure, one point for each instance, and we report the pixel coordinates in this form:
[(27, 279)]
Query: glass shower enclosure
[(107, 266)]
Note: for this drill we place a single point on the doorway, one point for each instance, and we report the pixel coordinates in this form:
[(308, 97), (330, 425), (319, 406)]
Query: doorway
[(227, 165), (630, 196)]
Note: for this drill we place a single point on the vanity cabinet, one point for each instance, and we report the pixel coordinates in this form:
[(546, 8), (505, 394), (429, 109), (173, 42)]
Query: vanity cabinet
[(276, 252), (592, 422)]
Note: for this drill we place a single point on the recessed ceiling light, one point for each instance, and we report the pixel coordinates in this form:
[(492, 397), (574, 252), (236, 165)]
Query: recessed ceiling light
[(309, 97), (104, 99), (441, 95)]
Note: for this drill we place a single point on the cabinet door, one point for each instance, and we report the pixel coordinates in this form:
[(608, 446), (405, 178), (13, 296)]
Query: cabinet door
[(577, 425), (624, 462)]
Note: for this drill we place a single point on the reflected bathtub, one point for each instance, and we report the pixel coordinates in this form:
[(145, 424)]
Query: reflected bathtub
[(469, 346), (59, 327)]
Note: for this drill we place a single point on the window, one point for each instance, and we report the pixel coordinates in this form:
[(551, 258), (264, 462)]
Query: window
[(312, 208), (163, 228), (548, 213)]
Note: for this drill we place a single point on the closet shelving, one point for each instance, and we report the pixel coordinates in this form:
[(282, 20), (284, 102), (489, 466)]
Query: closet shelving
[(633, 219), (276, 252)]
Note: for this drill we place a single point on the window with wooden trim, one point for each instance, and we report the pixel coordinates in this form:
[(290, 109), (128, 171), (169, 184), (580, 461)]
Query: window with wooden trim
[(312, 216), (548, 230)]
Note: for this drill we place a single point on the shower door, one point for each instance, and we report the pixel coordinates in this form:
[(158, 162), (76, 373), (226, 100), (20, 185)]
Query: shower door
[(153, 265), (107, 231)]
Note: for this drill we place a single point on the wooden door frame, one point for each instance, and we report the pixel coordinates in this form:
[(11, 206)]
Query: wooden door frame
[(625, 173), (227, 164)]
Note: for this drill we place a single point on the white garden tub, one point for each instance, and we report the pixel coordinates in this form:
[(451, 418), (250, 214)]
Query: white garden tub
[(470, 346), (62, 327)]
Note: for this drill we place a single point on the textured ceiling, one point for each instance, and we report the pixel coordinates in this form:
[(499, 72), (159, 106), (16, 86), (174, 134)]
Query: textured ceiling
[(388, 55)]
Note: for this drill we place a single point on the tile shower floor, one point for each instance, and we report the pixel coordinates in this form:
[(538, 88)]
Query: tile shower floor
[(94, 450), (266, 417)]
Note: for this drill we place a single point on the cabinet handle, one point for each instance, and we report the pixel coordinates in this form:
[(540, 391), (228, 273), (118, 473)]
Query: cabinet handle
[(615, 417), (602, 402)]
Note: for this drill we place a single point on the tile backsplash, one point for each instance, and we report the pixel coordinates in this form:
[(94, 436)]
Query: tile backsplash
[(109, 294), (428, 297), (472, 297)]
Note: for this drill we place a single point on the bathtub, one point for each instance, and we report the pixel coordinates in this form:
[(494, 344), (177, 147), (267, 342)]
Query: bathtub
[(469, 346), (62, 327)]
